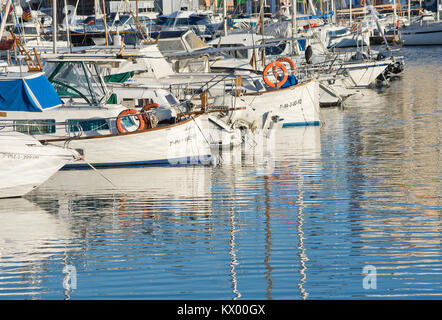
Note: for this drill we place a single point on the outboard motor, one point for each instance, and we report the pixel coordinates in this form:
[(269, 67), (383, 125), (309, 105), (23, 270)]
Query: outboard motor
[(308, 54)]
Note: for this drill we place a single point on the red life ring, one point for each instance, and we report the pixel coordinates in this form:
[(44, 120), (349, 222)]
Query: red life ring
[(274, 66), (362, 3), (127, 112)]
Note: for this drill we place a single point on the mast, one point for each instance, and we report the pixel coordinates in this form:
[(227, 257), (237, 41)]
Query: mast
[(351, 16), (5, 17), (68, 36), (261, 15), (312, 7), (394, 17), (54, 25), (225, 16), (294, 12), (438, 10), (409, 11), (97, 9), (105, 23)]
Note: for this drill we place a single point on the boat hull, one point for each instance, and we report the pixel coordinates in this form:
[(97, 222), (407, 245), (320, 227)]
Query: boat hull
[(364, 74), (183, 143), (294, 106), (422, 37), (26, 164)]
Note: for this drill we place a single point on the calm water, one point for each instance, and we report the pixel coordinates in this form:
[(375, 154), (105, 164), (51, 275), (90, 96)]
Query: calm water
[(365, 189)]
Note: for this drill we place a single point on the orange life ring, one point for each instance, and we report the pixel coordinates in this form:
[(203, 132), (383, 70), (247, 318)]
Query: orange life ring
[(289, 61), (128, 112), (362, 3), (149, 106), (146, 116), (274, 66)]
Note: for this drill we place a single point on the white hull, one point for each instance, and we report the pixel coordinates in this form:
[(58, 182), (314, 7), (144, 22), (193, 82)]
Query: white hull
[(328, 96), (364, 74), (25, 164), (179, 144), (348, 41), (295, 106), (430, 34)]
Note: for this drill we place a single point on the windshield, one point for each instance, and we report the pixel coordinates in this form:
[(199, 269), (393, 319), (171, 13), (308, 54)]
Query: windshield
[(78, 80), (171, 45)]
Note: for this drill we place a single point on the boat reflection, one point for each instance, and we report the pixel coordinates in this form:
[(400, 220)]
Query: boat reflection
[(282, 184), (30, 237)]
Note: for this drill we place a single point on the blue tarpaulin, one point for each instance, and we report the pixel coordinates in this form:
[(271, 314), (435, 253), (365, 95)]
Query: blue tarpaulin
[(291, 81), (32, 93)]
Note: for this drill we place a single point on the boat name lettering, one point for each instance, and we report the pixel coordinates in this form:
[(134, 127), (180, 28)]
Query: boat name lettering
[(187, 138), (291, 104), (17, 156)]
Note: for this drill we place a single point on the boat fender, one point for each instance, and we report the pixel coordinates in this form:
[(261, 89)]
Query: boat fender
[(308, 54), (127, 112), (274, 65)]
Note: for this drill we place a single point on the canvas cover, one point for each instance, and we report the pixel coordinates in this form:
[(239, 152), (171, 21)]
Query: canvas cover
[(31, 93)]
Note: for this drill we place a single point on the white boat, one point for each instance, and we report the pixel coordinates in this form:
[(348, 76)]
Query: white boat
[(258, 97), (364, 74), (342, 37), (103, 135), (296, 105), (423, 32), (202, 23), (25, 163)]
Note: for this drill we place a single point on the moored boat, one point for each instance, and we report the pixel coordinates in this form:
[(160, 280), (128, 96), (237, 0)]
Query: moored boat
[(25, 163)]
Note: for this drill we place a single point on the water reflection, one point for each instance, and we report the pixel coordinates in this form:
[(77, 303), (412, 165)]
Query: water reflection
[(296, 216), (29, 238)]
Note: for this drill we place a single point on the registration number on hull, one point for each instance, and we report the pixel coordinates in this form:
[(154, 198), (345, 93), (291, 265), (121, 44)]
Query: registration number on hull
[(17, 156), (291, 104)]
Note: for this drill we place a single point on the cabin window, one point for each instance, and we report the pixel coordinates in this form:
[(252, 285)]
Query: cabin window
[(258, 85), (171, 45), (26, 30), (87, 125), (42, 126), (336, 33), (239, 54), (171, 99), (276, 50)]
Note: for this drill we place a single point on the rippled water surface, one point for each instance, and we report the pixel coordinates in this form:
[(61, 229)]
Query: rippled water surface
[(300, 223)]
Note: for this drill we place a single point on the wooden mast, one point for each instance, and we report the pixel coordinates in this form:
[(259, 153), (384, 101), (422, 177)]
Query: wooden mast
[(105, 23)]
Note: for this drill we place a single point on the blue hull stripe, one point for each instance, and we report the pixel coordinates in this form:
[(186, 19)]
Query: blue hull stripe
[(301, 124), (201, 160)]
